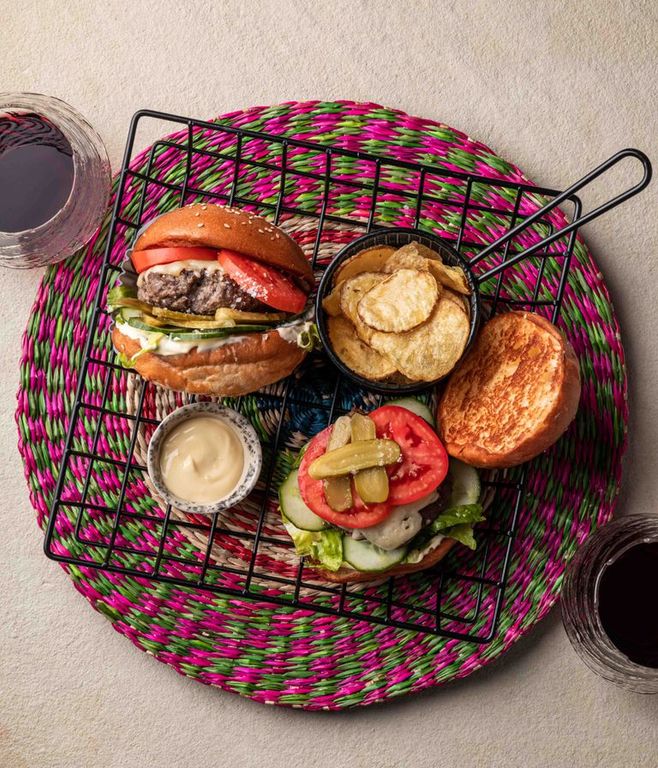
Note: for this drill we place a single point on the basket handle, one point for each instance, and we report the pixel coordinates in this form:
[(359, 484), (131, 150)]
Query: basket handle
[(579, 222)]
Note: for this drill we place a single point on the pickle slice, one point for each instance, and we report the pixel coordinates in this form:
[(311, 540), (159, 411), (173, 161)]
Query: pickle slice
[(338, 490), (171, 314), (362, 428), (371, 484), (354, 457), (338, 493), (227, 314), (129, 302), (341, 433)]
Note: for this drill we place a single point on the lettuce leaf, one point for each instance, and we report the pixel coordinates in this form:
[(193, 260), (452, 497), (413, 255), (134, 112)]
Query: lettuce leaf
[(325, 547), (309, 338), (454, 522), (463, 534), (305, 541), (329, 550), (466, 513)]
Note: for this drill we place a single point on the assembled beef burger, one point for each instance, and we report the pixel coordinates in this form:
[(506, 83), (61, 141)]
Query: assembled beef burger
[(214, 303)]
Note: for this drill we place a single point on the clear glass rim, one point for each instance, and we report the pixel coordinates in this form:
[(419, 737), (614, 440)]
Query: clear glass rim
[(580, 614), (74, 224), (59, 112)]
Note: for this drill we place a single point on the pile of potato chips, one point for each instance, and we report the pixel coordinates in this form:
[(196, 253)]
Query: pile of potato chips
[(401, 312)]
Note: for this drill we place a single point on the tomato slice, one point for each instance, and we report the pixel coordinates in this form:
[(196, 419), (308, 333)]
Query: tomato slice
[(143, 260), (312, 491), (424, 461), (263, 282)]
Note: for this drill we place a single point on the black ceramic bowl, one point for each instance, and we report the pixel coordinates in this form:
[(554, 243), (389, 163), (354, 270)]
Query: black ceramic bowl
[(396, 237)]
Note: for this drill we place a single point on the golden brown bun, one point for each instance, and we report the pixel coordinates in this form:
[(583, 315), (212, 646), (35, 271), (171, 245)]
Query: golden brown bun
[(513, 395), (234, 369), (349, 576), (218, 226)]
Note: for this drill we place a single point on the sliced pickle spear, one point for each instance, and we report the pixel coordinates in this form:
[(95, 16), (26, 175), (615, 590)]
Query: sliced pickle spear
[(130, 302), (362, 427), (341, 433), (172, 314), (354, 457), (338, 490), (371, 484), (338, 493), (224, 314), (203, 323)]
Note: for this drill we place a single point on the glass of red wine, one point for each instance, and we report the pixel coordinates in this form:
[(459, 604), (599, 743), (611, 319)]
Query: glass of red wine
[(54, 180), (610, 602)]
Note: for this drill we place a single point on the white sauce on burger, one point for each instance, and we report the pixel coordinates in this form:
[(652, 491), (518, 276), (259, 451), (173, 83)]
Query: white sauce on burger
[(168, 346)]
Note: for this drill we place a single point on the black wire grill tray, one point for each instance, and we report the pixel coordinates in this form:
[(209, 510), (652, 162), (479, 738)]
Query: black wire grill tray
[(498, 225)]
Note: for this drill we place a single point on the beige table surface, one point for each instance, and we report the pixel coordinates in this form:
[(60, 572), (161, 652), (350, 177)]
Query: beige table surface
[(555, 90)]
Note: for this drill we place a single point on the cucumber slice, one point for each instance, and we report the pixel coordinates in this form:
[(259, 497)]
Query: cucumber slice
[(415, 406), (187, 334), (293, 507), (366, 557), (465, 484)]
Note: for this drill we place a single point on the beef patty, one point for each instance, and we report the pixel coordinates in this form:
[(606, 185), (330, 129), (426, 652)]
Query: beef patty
[(200, 293)]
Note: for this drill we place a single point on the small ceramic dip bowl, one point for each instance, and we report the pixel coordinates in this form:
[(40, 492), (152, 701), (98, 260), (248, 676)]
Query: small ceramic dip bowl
[(247, 440)]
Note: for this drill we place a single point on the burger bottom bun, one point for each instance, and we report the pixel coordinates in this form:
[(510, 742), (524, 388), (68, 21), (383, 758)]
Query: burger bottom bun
[(349, 576), (234, 369)]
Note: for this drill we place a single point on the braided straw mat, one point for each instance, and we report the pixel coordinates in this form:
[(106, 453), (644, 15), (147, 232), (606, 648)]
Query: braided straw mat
[(281, 654)]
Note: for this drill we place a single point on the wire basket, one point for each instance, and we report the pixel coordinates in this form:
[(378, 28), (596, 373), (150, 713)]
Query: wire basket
[(324, 197)]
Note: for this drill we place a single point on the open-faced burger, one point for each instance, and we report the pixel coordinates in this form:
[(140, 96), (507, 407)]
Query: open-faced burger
[(218, 305), (376, 495)]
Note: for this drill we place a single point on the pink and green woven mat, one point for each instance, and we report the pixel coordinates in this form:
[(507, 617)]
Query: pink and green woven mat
[(282, 654)]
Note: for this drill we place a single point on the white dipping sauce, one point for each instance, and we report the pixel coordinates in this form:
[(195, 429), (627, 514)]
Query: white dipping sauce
[(202, 459)]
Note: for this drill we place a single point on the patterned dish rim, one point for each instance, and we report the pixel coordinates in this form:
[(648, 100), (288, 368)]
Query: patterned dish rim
[(252, 452)]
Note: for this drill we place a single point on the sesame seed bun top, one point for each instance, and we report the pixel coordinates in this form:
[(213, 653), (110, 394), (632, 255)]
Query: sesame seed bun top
[(218, 226)]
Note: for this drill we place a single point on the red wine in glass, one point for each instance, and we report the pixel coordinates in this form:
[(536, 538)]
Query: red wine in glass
[(628, 606), (36, 170)]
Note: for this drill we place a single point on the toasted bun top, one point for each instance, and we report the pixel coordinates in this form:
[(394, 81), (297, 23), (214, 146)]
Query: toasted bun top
[(514, 394), (218, 226)]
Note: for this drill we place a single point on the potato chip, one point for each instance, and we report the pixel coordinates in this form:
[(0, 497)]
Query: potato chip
[(406, 258), (354, 290), (357, 355), (331, 303), (401, 302), (370, 260), (451, 277), (431, 350), (460, 301), (418, 249)]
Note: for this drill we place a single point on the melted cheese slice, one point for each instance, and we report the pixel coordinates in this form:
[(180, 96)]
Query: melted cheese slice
[(176, 267)]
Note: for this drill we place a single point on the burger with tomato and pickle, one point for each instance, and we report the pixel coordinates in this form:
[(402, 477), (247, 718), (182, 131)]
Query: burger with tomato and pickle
[(214, 301), (376, 495)]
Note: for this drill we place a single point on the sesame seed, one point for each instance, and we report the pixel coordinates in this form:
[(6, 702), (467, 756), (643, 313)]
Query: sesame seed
[(228, 226), (197, 214), (276, 235), (201, 224)]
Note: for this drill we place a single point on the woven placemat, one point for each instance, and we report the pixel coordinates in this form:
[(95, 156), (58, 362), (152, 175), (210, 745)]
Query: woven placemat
[(284, 655)]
